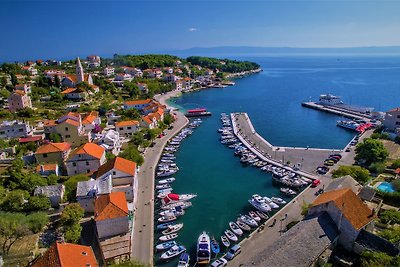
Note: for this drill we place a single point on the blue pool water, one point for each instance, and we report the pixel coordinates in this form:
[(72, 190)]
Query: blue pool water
[(386, 187)]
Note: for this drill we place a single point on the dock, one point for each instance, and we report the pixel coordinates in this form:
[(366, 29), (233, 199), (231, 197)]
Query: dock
[(338, 111), (302, 160)]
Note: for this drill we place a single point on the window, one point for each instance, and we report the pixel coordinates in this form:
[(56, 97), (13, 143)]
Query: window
[(129, 128), (87, 171), (114, 173), (398, 116), (67, 136), (397, 122), (121, 128), (66, 129), (87, 163), (44, 155), (74, 164), (20, 130)]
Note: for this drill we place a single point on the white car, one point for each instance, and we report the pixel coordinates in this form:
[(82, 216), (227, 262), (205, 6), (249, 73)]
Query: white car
[(219, 263)]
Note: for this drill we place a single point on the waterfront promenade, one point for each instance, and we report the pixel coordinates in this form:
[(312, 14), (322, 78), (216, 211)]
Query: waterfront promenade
[(143, 233), (307, 159)]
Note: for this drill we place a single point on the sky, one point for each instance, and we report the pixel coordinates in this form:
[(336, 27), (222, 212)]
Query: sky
[(64, 29)]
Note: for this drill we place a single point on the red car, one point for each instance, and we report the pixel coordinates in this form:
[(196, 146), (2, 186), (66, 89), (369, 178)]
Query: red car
[(315, 183)]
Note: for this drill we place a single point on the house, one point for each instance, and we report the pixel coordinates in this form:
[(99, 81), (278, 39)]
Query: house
[(47, 169), (14, 129), (108, 71), (87, 191), (19, 100), (123, 77), (73, 80), (153, 73), (170, 78), (111, 216), (134, 72), (30, 69), (70, 128), (347, 210), (55, 193), (123, 173), (85, 159), (112, 118), (127, 128), (23, 87), (179, 84), (143, 87), (90, 120), (94, 61), (137, 104), (67, 255), (37, 139), (53, 153), (148, 122), (75, 94), (392, 121), (110, 140)]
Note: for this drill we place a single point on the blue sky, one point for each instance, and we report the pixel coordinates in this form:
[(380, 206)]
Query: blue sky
[(59, 29)]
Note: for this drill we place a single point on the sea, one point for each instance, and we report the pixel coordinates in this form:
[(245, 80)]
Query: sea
[(272, 100)]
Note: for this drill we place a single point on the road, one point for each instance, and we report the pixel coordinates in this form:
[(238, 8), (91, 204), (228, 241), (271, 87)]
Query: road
[(143, 232)]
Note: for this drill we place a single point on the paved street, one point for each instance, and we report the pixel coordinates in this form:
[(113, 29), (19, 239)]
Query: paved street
[(142, 249)]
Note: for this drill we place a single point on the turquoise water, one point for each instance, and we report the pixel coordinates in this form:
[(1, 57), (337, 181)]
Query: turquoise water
[(386, 187), (273, 101)]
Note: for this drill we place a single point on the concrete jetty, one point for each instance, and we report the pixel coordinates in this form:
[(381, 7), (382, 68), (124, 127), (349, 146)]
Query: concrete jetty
[(302, 160), (338, 111)]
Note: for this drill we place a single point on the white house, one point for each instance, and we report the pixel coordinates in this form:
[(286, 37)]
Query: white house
[(108, 71), (90, 120), (392, 121), (110, 140), (137, 104), (74, 94), (14, 129), (55, 193), (123, 173), (87, 191), (134, 72), (85, 159), (127, 128)]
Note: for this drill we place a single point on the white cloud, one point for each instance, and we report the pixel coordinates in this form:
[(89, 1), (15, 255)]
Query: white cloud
[(192, 29)]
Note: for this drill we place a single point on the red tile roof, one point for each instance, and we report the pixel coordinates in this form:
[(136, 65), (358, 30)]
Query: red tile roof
[(118, 163), (30, 139), (68, 91), (53, 148), (110, 206), (91, 149), (352, 207), (67, 255), (71, 122), (46, 167), (138, 102), (126, 123), (89, 119)]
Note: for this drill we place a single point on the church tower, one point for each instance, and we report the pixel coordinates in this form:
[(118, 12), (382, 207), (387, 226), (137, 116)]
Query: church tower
[(79, 72)]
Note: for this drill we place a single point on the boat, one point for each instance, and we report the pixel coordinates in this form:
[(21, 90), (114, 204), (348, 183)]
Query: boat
[(203, 249), (229, 234), (182, 204), (176, 211), (166, 173), (197, 112), (164, 226), (259, 203), (288, 191), (214, 246), (171, 198), (235, 228), (254, 216), (163, 186), (278, 200), (352, 125), (166, 245), (184, 260), (248, 220), (166, 181), (262, 215), (172, 229), (167, 218), (168, 237), (271, 203), (243, 226), (225, 241), (173, 252)]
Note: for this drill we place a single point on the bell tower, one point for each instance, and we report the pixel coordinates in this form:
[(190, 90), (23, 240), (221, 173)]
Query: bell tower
[(79, 72)]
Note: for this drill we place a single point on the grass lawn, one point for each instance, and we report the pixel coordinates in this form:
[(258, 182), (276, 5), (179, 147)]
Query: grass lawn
[(392, 148)]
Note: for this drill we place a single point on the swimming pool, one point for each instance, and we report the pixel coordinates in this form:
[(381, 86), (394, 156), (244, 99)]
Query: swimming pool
[(386, 187)]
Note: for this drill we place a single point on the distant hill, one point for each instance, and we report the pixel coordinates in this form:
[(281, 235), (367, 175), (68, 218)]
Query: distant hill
[(253, 50)]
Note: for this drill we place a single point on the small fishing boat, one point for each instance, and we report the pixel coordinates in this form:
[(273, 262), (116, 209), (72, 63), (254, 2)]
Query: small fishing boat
[(167, 181), (278, 200), (214, 246), (163, 186), (167, 218), (235, 228), (166, 245), (262, 215), (243, 226), (288, 191), (182, 204), (225, 241), (271, 203), (203, 249), (172, 229), (173, 252), (254, 216), (176, 211), (164, 226), (168, 237), (184, 260), (231, 235), (248, 220)]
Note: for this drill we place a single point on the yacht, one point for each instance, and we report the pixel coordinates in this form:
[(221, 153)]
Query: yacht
[(172, 229), (288, 191), (248, 220), (259, 203), (168, 237), (235, 228), (231, 235), (278, 200), (225, 241), (203, 249), (166, 181), (184, 260), (243, 226), (271, 203), (166, 245), (173, 252)]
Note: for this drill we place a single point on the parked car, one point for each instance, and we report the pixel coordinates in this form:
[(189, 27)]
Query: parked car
[(348, 149), (315, 183), (219, 263), (329, 162), (233, 252)]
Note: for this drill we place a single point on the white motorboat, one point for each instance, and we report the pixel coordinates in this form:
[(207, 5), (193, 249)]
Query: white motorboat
[(167, 181), (168, 237), (235, 228), (166, 173), (172, 229), (254, 216), (173, 252), (184, 260), (262, 215), (288, 191), (231, 235), (225, 241), (242, 225), (176, 211), (248, 220), (172, 198), (259, 203), (166, 245), (271, 203), (163, 186), (203, 249), (278, 200), (167, 218), (183, 205)]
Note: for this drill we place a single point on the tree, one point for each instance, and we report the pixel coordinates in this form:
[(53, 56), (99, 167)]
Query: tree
[(390, 216), (377, 259), (396, 185), (55, 137), (71, 184), (168, 119), (377, 167), (358, 173), (370, 151), (73, 233), (131, 153), (36, 221), (26, 113), (72, 214), (137, 139), (14, 201), (57, 82), (36, 203), (395, 164), (391, 234), (14, 79), (4, 93), (12, 229)]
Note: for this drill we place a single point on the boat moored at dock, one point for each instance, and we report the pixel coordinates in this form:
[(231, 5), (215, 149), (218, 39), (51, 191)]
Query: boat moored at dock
[(203, 249)]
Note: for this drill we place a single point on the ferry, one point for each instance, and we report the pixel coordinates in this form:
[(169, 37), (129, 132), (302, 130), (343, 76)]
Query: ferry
[(198, 112), (336, 101)]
